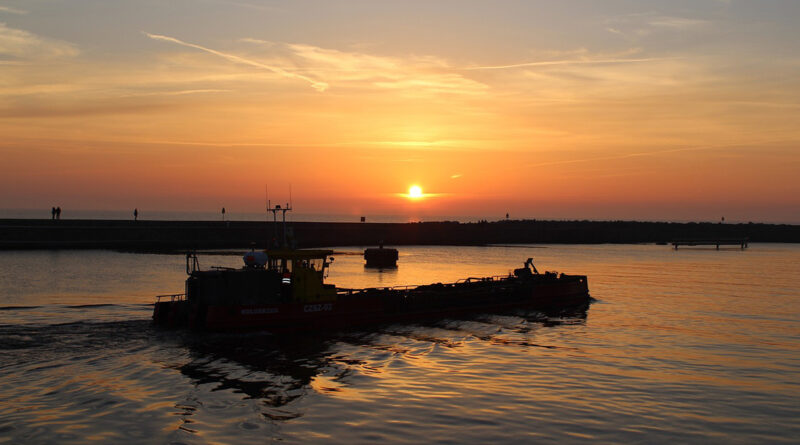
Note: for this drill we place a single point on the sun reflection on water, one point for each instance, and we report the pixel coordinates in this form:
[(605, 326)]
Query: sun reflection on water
[(678, 347)]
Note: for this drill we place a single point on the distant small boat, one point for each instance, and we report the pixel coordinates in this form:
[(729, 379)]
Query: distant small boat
[(284, 291), (381, 257)]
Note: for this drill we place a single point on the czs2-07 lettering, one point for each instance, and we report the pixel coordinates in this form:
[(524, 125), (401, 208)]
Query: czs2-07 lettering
[(318, 307)]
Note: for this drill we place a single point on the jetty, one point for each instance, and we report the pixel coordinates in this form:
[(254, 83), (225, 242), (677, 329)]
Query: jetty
[(182, 236), (741, 242)]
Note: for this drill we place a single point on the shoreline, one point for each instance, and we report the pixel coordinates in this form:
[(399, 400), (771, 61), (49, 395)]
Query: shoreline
[(166, 236)]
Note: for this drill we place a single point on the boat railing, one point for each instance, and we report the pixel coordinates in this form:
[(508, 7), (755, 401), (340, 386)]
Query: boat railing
[(349, 291), (475, 280), (171, 297)]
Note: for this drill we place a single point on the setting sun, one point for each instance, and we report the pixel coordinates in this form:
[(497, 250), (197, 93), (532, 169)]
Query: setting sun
[(415, 192)]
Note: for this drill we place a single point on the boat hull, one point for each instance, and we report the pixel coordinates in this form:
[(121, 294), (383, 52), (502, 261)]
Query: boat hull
[(379, 306)]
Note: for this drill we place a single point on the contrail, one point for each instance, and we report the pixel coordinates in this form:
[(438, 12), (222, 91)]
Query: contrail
[(317, 85)]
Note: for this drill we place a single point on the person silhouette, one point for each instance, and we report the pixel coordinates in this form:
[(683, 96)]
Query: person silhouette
[(53, 213), (135, 214), (58, 212)]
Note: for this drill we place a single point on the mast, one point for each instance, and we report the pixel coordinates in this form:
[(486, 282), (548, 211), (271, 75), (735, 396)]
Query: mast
[(275, 210)]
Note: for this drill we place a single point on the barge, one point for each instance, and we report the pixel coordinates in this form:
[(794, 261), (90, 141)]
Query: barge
[(283, 290)]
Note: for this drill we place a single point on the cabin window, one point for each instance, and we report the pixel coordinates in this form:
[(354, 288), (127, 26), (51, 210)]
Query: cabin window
[(290, 264), (312, 263), (280, 264), (317, 264)]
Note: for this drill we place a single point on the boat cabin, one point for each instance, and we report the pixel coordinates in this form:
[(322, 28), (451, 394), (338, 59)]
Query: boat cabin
[(271, 277), (305, 271)]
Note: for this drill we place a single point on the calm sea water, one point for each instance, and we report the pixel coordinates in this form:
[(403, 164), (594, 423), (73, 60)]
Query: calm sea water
[(688, 346)]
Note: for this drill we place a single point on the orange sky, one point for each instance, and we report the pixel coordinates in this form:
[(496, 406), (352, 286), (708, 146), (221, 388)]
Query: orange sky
[(591, 111)]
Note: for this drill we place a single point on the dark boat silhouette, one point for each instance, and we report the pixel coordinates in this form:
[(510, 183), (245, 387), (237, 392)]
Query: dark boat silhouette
[(380, 257), (283, 290)]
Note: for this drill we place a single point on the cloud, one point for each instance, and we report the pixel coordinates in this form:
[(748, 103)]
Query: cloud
[(10, 10), (582, 76), (177, 93), (74, 110), (645, 24), (323, 67), (676, 22), (633, 155), (21, 44), (560, 62), (412, 74), (254, 6), (589, 78), (316, 84)]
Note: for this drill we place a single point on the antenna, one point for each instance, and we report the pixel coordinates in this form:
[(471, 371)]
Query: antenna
[(266, 215), (275, 210), (286, 209)]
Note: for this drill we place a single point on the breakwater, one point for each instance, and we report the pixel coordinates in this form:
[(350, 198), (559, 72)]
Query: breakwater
[(185, 235)]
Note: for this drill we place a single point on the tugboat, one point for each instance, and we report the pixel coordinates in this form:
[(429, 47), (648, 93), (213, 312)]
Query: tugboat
[(283, 290)]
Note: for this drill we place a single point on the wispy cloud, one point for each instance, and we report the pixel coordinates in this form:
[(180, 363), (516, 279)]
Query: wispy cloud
[(253, 6), (562, 62), (177, 93), (10, 10), (316, 84), (582, 76), (645, 24), (676, 22), (21, 44), (418, 74), (631, 155)]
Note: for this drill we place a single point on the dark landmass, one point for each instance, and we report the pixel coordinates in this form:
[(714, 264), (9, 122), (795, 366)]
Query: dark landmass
[(165, 236)]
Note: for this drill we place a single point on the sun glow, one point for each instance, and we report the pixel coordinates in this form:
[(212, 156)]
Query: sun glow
[(415, 192)]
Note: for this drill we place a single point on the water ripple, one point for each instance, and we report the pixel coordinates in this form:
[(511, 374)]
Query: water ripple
[(677, 347)]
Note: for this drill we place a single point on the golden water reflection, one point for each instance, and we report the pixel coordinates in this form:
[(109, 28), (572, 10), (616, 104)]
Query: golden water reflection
[(678, 346)]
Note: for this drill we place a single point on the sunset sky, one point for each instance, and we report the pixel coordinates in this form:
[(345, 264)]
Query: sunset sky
[(654, 110)]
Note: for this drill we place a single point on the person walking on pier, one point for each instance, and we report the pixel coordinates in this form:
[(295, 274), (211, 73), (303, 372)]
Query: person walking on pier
[(58, 212), (53, 213)]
